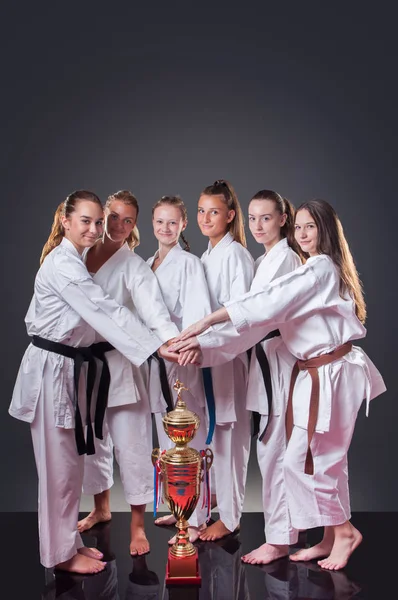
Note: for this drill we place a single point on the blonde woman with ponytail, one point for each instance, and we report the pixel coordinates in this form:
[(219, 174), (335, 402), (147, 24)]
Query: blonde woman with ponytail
[(50, 393), (128, 424), (229, 270)]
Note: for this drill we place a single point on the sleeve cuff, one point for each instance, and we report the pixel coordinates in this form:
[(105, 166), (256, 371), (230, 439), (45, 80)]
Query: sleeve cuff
[(205, 339), (236, 316), (168, 333)]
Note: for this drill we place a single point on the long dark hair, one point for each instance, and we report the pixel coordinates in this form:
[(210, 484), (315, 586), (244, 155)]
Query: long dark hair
[(129, 199), (223, 188), (65, 209), (331, 241), (178, 203), (284, 207)]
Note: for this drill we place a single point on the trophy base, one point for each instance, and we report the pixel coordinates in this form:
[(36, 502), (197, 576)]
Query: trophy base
[(183, 571)]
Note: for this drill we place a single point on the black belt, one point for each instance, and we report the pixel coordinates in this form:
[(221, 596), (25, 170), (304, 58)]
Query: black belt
[(264, 366), (164, 382), (79, 356)]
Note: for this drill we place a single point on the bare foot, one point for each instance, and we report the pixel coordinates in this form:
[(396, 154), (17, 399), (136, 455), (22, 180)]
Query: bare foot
[(216, 531), (347, 538), (319, 550), (81, 564), (193, 533), (91, 552), (139, 544), (92, 519), (265, 554), (166, 520)]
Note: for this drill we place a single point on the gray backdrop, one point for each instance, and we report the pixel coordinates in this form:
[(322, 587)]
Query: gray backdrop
[(298, 99)]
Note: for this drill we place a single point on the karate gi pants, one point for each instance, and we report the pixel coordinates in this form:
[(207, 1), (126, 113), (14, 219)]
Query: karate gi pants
[(270, 455), (231, 447), (322, 499), (60, 472), (127, 430)]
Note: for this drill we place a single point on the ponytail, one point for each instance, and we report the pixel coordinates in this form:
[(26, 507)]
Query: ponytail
[(56, 235), (133, 239), (187, 247)]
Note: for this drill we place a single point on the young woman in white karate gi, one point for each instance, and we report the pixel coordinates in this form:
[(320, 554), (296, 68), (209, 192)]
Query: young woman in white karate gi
[(128, 279), (319, 310), (229, 270), (183, 285), (271, 222), (66, 310)]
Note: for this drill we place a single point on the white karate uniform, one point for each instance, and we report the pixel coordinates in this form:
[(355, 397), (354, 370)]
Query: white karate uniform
[(183, 285), (281, 259), (128, 424), (229, 270), (313, 319), (67, 307)]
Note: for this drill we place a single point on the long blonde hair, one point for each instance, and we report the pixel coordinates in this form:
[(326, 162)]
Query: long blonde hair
[(236, 227), (129, 199), (65, 209)]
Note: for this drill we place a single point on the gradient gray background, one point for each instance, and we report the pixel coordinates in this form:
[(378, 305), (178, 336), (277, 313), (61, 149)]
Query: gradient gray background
[(297, 99)]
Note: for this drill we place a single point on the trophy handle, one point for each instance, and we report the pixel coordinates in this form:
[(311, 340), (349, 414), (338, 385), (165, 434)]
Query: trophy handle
[(155, 455), (208, 456)]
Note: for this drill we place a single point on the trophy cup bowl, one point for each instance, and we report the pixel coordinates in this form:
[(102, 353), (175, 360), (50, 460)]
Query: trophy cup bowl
[(182, 470)]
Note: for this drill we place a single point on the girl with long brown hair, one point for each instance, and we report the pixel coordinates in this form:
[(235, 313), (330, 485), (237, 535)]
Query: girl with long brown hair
[(319, 310)]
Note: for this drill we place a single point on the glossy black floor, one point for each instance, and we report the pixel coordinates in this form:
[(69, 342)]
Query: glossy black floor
[(370, 574)]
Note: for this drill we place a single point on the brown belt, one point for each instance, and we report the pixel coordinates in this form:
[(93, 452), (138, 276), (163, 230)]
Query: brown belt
[(311, 366)]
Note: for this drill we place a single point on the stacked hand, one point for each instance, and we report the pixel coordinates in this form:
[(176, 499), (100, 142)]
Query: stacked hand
[(185, 349)]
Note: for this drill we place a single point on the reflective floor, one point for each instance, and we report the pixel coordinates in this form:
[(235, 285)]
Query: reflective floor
[(370, 573)]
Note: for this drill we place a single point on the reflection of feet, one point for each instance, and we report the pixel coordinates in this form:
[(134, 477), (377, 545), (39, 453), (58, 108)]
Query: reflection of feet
[(193, 533), (166, 520), (216, 531), (91, 552), (141, 574), (138, 544), (266, 554), (92, 519), (81, 564), (346, 541), (343, 587)]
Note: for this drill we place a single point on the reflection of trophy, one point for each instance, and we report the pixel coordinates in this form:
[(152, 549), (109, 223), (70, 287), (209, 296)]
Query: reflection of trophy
[(182, 470)]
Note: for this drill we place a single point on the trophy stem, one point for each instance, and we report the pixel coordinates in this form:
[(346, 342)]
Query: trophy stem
[(182, 546)]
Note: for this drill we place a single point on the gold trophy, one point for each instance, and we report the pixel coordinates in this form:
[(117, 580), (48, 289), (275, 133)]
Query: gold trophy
[(181, 471)]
